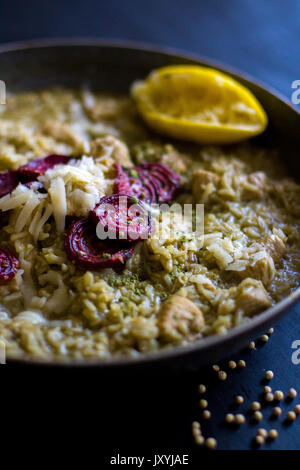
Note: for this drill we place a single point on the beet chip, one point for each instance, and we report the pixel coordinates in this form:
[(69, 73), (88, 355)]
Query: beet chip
[(9, 265), (130, 181), (8, 182), (84, 247), (39, 166), (150, 182), (123, 217)]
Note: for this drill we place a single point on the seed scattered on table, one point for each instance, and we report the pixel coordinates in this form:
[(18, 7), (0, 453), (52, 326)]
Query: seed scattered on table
[(297, 409), (222, 375), (255, 406), (270, 331), (229, 418), (241, 364), (196, 428), (251, 345), (232, 364), (277, 411), (262, 432), (203, 403), (292, 393), (267, 389), (216, 368), (239, 400), (278, 395), (291, 416), (269, 375), (258, 416), (201, 388), (211, 443), (264, 338), (273, 434), (196, 431), (239, 419), (269, 397), (206, 414), (259, 440), (199, 440)]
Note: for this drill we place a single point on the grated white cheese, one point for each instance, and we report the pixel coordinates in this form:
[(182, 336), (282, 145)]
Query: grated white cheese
[(57, 193), (84, 184), (73, 189)]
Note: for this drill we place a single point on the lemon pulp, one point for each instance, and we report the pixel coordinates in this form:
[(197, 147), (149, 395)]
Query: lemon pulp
[(200, 104)]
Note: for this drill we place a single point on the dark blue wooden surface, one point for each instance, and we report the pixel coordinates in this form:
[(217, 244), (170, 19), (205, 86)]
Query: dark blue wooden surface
[(261, 37)]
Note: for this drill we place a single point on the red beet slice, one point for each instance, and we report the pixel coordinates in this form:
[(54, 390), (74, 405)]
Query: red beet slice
[(150, 182), (166, 181), (9, 265), (123, 217), (8, 182), (84, 247), (39, 166), (131, 182)]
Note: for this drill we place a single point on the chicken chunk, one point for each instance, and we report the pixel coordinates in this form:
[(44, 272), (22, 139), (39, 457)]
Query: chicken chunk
[(275, 247), (262, 257), (62, 132), (114, 147), (252, 297), (179, 318), (202, 178), (261, 268), (105, 108), (254, 185)]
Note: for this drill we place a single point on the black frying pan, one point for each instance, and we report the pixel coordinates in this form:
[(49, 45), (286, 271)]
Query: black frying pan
[(112, 67)]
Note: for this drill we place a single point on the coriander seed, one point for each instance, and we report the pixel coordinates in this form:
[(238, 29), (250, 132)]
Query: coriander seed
[(291, 416), (201, 388), (206, 414), (277, 411), (203, 403), (229, 418), (273, 434), (241, 364), (199, 440), (259, 440), (278, 395), (269, 375), (239, 419), (292, 393), (258, 416), (211, 443), (264, 338), (269, 397), (255, 406), (222, 375), (239, 400), (262, 432), (297, 409)]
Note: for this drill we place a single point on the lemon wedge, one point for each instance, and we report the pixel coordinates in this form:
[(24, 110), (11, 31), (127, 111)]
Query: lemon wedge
[(199, 104)]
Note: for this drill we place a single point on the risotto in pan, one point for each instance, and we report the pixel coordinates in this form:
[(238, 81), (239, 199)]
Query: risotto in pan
[(65, 293)]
